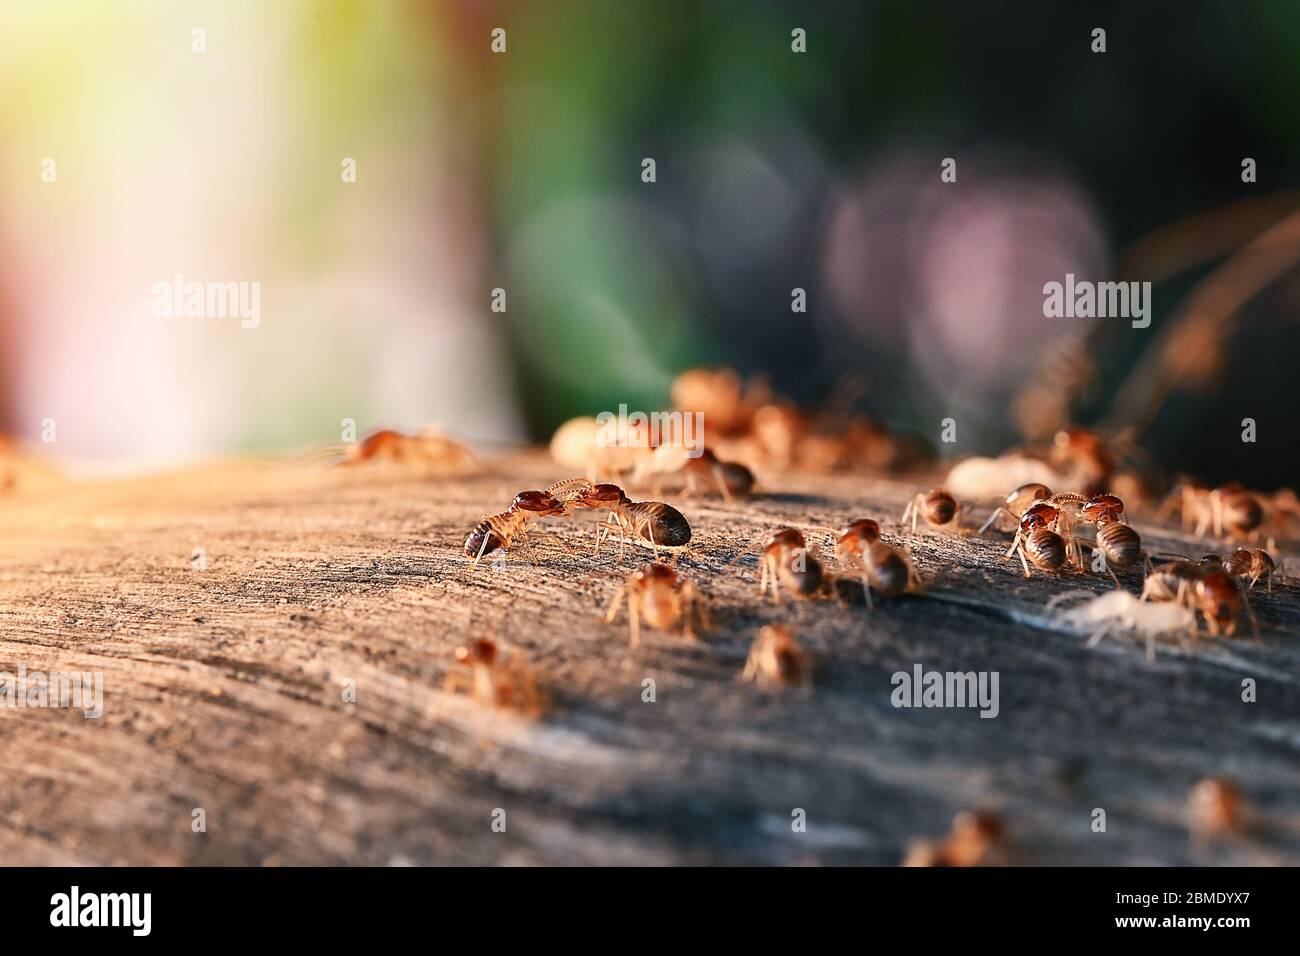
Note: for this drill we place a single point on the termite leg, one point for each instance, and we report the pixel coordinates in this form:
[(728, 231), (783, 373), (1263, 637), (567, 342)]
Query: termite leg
[(1098, 636), (634, 618), (1250, 612), (688, 609), (722, 486), (615, 604), (482, 549), (998, 512), (1015, 544)]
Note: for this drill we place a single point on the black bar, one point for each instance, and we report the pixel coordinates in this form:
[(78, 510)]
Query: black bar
[(330, 906)]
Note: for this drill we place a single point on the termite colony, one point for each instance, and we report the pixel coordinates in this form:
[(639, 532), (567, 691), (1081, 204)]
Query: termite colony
[(1188, 594), (657, 594), (750, 424), (637, 457), (749, 429), (1179, 596), (789, 566), (663, 598), (1053, 533)]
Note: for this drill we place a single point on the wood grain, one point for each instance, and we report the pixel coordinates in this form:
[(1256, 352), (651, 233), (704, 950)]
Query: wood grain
[(224, 691)]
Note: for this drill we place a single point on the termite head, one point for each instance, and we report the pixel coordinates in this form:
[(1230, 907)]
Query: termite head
[(1216, 806), (860, 535), (979, 824), (541, 503), (378, 443), (1040, 515), (1102, 508), (1218, 598), (602, 496), (786, 538), (974, 833), (656, 573), (481, 651)]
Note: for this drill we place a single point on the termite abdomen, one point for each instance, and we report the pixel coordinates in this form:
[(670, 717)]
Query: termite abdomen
[(888, 570), (475, 544), (1046, 549), (664, 525), (1120, 543), (738, 479), (803, 574)]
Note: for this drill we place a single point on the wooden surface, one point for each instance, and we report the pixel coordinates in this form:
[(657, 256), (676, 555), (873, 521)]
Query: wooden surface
[(224, 691)]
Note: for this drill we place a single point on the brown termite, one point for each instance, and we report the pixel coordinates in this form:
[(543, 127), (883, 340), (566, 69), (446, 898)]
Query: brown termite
[(889, 571), (702, 470), (494, 679), (1235, 511), (851, 546), (428, 447), (882, 568), (786, 562), (511, 526), (1215, 808), (1251, 565), (727, 403), (1206, 589), (1083, 457), (1283, 509), (1111, 506), (973, 837), (1118, 545), (1219, 598), (779, 428), (1018, 502), (1069, 512), (1229, 509), (937, 507), (1037, 543), (775, 659), (663, 598), (1192, 502), (653, 522)]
